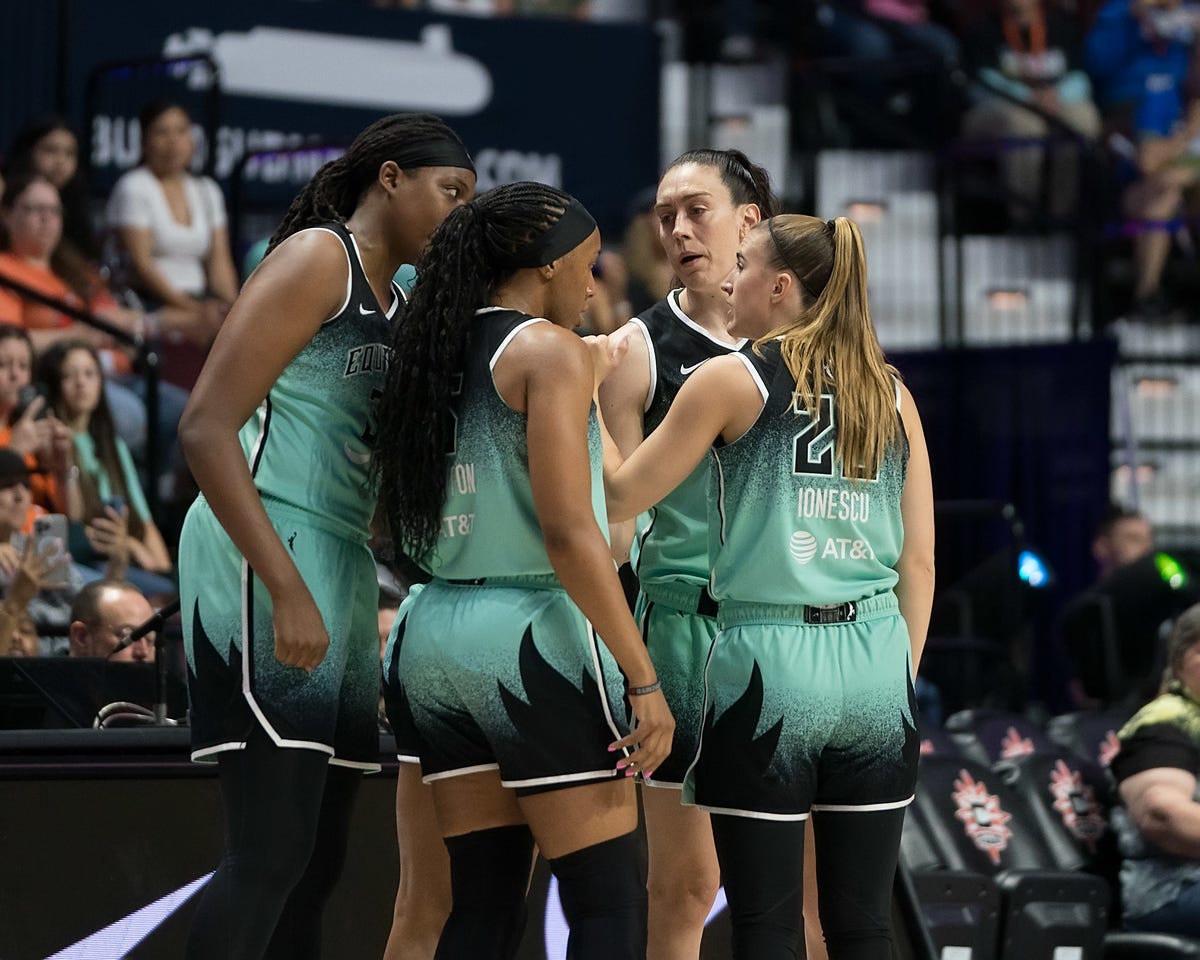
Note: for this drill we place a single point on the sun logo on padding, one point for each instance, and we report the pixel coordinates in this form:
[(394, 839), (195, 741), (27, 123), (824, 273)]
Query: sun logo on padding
[(1110, 746), (1014, 745), (1076, 803), (984, 820)]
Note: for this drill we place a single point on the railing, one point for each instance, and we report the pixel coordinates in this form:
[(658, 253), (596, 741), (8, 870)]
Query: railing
[(147, 366)]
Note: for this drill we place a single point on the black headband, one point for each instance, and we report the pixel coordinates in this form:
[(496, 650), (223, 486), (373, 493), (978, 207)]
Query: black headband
[(572, 228), (432, 153)]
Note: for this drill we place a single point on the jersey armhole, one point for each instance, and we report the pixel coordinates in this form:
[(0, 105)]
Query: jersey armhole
[(653, 357), (495, 357), (349, 276), (762, 390)]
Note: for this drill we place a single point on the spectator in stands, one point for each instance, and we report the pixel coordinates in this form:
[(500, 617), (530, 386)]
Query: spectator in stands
[(649, 271), (1032, 52), (31, 254), (1123, 536), (50, 606), (74, 380), (24, 570), (1138, 54), (172, 228), (104, 613), (32, 432), (1157, 771), (48, 147)]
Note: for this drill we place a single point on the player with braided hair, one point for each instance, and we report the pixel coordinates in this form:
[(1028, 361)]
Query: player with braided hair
[(488, 461), (278, 587)]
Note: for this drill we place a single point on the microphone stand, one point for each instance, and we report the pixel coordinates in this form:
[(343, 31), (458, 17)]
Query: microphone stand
[(155, 625)]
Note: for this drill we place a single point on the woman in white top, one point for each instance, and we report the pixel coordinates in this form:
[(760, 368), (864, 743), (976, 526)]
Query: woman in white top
[(172, 227)]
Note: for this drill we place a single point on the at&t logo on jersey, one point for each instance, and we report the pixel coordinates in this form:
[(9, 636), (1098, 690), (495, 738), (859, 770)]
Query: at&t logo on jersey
[(803, 546), (984, 820)]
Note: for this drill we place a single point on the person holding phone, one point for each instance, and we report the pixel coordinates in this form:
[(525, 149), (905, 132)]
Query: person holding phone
[(110, 490), (29, 428), (279, 590)]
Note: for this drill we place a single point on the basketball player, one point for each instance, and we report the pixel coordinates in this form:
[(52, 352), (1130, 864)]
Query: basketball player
[(706, 203), (821, 525), (489, 462), (278, 587)]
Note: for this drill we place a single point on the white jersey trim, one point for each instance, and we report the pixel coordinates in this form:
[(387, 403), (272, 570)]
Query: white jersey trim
[(349, 274), (363, 765), (247, 658), (720, 492), (460, 772), (602, 687), (673, 302), (751, 814), (758, 381), (391, 310), (861, 807), (205, 752), (507, 340), (653, 357), (406, 758), (608, 774)]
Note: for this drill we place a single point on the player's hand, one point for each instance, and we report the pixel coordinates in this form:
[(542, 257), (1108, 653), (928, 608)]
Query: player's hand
[(29, 434), (650, 741), (607, 351), (301, 639), (10, 559)]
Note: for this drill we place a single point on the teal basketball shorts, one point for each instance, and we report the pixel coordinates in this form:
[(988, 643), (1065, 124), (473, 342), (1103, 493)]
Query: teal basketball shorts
[(678, 641), (801, 717), (503, 675), (234, 679)]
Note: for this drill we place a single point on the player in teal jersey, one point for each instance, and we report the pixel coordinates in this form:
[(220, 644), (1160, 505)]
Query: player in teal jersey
[(821, 543), (706, 203), (489, 464), (277, 584)]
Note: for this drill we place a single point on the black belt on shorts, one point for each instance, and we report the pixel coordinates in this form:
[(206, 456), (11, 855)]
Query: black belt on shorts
[(706, 606), (832, 613)]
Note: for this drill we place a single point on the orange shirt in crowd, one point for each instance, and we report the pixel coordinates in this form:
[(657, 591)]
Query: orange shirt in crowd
[(43, 485), (37, 316)]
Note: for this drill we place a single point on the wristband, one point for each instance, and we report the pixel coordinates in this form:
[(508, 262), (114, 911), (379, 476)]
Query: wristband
[(644, 691)]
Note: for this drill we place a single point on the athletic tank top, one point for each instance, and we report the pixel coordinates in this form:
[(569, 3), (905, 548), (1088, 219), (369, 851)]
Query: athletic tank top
[(489, 525), (309, 443), (785, 526), (674, 546)]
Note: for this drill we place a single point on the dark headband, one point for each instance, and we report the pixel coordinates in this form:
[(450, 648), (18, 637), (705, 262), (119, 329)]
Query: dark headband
[(432, 153), (572, 228), (803, 278)]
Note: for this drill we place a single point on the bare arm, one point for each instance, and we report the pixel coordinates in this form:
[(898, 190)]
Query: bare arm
[(719, 399), (622, 406), (299, 287), (914, 590), (1161, 805), (557, 376)]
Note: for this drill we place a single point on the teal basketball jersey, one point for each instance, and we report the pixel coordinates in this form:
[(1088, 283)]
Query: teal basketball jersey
[(674, 545), (489, 525), (309, 443), (785, 525)]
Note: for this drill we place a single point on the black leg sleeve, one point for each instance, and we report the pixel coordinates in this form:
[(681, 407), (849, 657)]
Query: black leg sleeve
[(489, 874), (856, 869), (603, 897), (272, 802), (762, 867)]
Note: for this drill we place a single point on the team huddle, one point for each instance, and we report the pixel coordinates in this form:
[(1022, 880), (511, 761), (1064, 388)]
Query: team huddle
[(743, 439)]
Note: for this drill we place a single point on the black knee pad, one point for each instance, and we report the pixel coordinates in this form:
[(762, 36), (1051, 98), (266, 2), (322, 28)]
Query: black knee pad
[(603, 898), (489, 873)]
